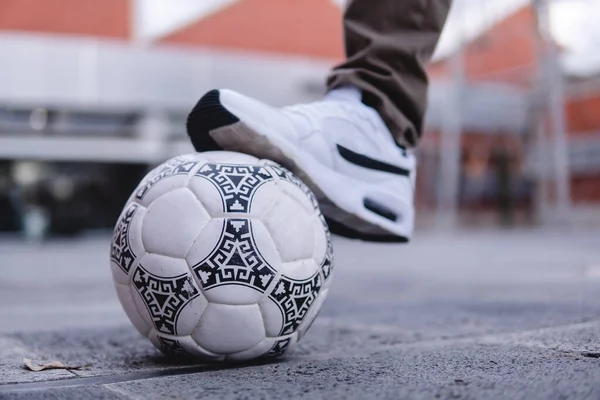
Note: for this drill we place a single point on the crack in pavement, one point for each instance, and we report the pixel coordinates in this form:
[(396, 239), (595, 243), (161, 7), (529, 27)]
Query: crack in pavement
[(106, 379)]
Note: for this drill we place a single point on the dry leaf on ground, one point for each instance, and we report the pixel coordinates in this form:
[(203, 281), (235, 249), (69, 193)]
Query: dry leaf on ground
[(51, 365)]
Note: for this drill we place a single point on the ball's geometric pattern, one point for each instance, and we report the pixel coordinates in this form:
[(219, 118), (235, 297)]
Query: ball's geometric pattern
[(172, 348), (236, 183), (294, 298), (222, 256), (175, 166), (278, 348), (327, 264), (121, 252), (235, 259), (287, 175), (164, 298)]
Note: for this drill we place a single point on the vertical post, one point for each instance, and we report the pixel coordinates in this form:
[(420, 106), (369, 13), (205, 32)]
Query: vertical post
[(450, 145), (135, 22), (540, 125), (541, 200), (555, 97)]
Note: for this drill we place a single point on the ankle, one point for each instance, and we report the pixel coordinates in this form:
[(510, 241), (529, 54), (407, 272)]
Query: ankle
[(345, 93)]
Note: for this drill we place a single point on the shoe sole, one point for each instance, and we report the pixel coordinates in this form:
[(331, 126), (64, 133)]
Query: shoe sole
[(212, 126)]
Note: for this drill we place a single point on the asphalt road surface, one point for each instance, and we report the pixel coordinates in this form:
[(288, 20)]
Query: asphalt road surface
[(465, 315)]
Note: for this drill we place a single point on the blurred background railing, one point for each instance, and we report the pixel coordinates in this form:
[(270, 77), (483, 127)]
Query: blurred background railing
[(92, 94)]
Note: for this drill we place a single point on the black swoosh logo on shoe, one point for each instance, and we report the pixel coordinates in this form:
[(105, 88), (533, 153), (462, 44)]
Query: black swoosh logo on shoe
[(370, 163)]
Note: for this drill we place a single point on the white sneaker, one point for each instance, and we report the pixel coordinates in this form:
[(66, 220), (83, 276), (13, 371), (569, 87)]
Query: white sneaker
[(339, 147)]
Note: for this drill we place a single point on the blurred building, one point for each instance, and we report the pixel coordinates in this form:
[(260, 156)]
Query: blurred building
[(89, 101), (93, 99), (501, 100), (498, 73), (583, 116)]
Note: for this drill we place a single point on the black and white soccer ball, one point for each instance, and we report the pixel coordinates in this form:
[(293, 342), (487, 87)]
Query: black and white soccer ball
[(222, 256)]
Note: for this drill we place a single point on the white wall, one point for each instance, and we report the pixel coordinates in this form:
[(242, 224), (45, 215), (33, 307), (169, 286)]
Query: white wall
[(81, 72)]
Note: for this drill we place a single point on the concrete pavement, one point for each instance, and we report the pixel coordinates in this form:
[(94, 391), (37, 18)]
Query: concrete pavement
[(468, 315)]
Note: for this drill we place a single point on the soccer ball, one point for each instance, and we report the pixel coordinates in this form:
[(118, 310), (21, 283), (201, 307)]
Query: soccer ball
[(221, 256)]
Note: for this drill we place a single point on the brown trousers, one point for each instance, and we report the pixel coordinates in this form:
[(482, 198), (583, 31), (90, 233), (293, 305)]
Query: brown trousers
[(388, 45)]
